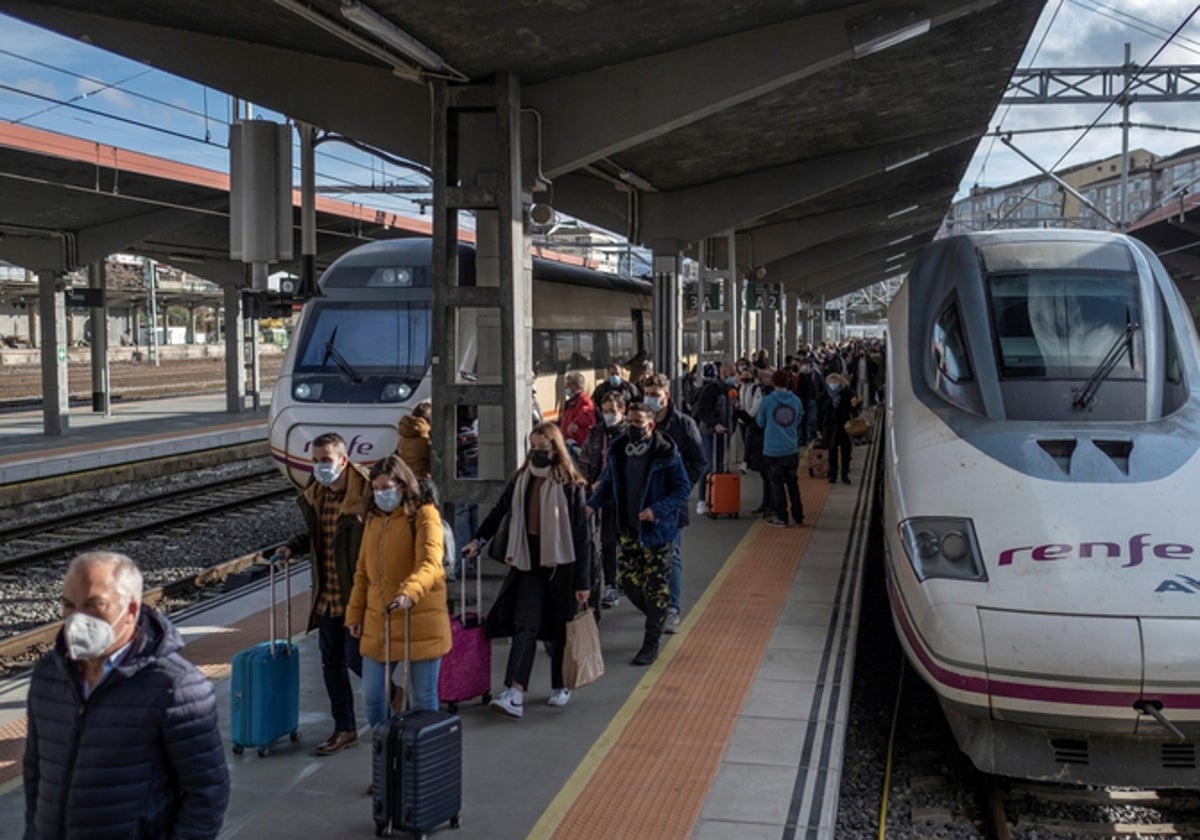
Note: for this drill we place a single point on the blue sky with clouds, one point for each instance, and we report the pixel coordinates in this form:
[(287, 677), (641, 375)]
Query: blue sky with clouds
[(55, 83)]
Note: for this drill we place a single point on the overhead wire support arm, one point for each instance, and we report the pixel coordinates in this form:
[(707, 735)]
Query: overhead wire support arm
[(1006, 139)]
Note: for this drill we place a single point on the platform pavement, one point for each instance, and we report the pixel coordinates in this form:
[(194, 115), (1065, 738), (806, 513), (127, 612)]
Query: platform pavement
[(520, 777), (137, 430)]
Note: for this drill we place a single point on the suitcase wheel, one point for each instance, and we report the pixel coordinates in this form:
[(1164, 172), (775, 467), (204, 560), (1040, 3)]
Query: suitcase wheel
[(238, 749), (295, 736), (263, 752), (487, 698), (382, 829), (456, 821), (452, 708)]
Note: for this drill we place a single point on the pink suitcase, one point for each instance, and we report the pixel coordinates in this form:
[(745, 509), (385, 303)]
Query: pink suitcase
[(466, 670)]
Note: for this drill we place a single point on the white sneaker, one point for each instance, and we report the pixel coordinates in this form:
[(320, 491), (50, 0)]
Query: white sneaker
[(701, 508), (559, 697), (671, 622), (508, 703)]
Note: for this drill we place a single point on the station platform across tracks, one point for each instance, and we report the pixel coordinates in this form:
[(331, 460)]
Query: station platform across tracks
[(735, 732)]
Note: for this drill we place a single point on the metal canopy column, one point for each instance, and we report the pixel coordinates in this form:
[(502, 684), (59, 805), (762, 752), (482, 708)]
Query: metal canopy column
[(791, 319), (768, 315), (720, 301), (101, 398), (668, 308), (477, 167), (235, 358), (52, 312)]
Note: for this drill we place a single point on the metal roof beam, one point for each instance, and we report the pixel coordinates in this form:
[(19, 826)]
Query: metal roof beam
[(695, 213), (98, 241), (838, 252), (589, 116)]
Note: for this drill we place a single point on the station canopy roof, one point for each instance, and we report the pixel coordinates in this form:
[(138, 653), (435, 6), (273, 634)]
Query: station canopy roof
[(830, 136)]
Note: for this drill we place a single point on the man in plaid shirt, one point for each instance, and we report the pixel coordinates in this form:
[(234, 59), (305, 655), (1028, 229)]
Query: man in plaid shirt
[(332, 506)]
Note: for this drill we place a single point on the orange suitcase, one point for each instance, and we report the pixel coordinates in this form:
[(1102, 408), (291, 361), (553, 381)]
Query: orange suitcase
[(723, 493)]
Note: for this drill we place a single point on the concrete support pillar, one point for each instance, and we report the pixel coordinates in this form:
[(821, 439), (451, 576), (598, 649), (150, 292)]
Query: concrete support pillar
[(101, 395), (52, 312), (791, 322), (668, 308), (235, 358), (35, 340), (769, 338), (190, 337), (734, 300)]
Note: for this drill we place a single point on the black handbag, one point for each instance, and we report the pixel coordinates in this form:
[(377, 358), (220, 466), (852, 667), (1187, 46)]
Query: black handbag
[(497, 546)]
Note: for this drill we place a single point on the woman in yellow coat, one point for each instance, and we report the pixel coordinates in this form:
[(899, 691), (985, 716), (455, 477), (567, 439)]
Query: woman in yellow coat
[(399, 564)]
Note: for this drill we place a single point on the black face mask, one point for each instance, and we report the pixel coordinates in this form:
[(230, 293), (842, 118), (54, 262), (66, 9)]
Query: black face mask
[(539, 458), (637, 433)]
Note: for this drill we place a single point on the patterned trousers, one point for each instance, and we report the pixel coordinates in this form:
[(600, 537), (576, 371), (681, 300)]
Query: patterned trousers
[(643, 575)]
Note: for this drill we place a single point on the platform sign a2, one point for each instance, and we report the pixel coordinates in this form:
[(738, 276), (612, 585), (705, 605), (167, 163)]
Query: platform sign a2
[(83, 298)]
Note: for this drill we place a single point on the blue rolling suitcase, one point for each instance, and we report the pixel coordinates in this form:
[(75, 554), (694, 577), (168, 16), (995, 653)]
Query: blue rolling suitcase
[(416, 762), (265, 694)]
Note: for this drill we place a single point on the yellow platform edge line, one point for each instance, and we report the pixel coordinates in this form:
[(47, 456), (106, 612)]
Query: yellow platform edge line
[(557, 810)]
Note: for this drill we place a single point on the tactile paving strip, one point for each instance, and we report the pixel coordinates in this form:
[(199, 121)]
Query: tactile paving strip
[(653, 780)]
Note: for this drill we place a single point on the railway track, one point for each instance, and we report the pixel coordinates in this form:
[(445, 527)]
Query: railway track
[(1020, 809), (75, 532)]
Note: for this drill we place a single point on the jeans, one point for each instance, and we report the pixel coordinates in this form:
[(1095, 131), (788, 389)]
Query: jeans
[(810, 421), (424, 677), (782, 470), (339, 656), (675, 583)]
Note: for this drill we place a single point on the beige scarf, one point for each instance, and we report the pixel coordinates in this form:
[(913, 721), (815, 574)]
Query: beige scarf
[(557, 546)]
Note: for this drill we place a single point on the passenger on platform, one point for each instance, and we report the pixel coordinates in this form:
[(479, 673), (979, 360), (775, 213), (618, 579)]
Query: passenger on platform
[(615, 382), (688, 388), (837, 406), (862, 375), (549, 555), (779, 417), (399, 567), (714, 416), (645, 479), (592, 461), (754, 445), (122, 737), (682, 430), (414, 439), (332, 505), (579, 414), (749, 395), (808, 386)]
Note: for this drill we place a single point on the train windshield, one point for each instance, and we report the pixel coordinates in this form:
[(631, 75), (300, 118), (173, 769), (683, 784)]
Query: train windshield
[(367, 339), (1064, 324)]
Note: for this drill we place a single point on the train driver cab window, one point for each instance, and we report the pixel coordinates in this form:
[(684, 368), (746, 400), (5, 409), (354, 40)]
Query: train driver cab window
[(949, 348)]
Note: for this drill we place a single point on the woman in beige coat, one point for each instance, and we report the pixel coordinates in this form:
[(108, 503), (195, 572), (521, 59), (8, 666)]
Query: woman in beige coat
[(399, 565)]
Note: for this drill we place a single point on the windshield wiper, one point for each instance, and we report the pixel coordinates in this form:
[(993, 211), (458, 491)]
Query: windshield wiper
[(331, 352), (1122, 345)]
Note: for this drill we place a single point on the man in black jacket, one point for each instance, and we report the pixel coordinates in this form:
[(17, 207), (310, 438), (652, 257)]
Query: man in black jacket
[(122, 736), (332, 506), (682, 431)]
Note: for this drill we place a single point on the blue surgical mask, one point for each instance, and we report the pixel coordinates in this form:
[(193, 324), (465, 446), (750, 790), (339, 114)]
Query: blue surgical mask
[(326, 473), (653, 404), (388, 499), (730, 380), (614, 380), (611, 418), (834, 387)]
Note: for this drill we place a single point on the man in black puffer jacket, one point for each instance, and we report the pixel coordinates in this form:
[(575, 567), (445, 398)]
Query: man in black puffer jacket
[(122, 730)]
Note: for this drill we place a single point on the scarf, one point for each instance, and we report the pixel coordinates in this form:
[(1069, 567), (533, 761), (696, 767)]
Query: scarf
[(557, 546)]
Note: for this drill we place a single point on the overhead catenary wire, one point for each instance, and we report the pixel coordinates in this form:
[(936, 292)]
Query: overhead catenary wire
[(1111, 104)]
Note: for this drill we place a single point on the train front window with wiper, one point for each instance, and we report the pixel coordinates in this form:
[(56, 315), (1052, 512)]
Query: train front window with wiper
[(372, 339), (1063, 324)]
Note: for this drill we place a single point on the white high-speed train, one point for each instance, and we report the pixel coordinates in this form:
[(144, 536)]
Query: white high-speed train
[(1042, 510), (359, 358)]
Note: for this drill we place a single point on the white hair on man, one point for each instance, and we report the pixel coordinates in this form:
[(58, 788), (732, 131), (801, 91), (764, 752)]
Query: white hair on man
[(127, 577), (574, 378)]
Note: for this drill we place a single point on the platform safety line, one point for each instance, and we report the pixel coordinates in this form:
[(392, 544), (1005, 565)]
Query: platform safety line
[(557, 810)]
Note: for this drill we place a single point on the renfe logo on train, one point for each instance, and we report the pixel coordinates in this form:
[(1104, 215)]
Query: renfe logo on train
[(1138, 548), (355, 446)]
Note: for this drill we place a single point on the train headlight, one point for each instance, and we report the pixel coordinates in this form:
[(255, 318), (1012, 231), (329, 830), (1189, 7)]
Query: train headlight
[(942, 547), (395, 392), (308, 391)]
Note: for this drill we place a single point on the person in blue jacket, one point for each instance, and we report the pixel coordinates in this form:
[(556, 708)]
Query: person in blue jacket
[(646, 481), (779, 415), (122, 737)]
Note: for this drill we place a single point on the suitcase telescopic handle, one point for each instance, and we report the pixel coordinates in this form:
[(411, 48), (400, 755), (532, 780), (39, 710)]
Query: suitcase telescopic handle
[(287, 610), (387, 655)]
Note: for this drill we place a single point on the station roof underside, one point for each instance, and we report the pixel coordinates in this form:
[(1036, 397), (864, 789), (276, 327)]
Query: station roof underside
[(784, 122)]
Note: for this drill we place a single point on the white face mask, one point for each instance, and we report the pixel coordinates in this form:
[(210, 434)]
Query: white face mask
[(387, 499), (611, 418), (326, 473), (87, 637)]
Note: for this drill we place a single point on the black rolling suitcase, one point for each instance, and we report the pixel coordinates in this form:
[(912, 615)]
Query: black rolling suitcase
[(416, 761)]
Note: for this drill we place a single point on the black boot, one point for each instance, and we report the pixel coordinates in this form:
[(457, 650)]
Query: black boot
[(647, 654), (654, 624)]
